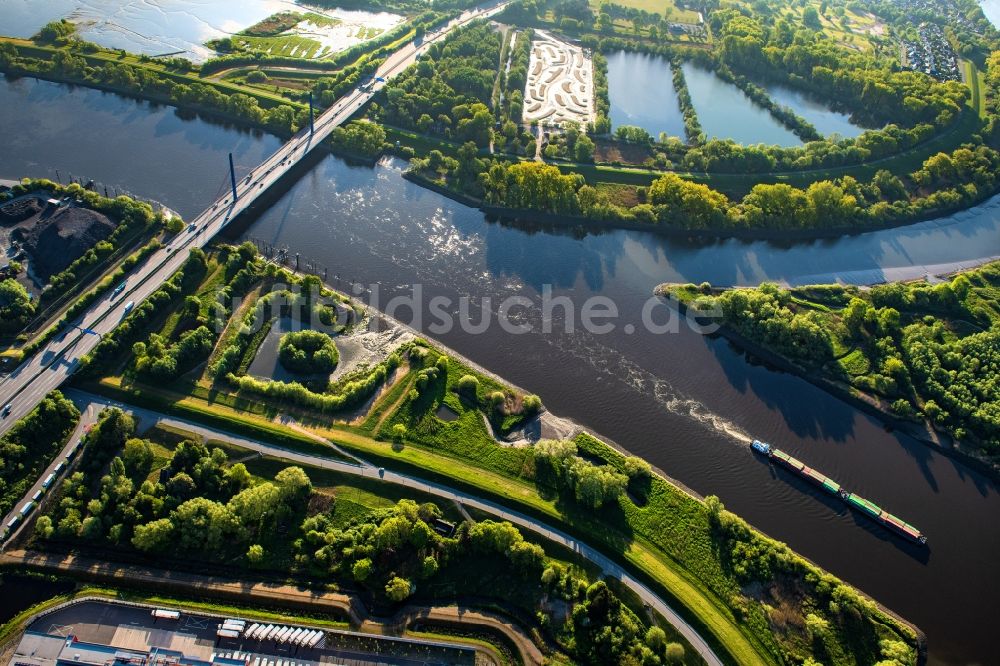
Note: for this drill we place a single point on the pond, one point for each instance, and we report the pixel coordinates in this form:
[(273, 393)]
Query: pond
[(641, 92), (725, 112), (823, 118), (266, 364)]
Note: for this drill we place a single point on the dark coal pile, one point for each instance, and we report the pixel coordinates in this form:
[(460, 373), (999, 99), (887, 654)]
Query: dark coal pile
[(55, 241), (22, 209)]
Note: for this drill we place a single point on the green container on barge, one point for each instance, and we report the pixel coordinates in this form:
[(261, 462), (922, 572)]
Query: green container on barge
[(856, 502)]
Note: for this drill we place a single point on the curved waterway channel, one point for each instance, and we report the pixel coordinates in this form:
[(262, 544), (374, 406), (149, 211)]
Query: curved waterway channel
[(685, 402)]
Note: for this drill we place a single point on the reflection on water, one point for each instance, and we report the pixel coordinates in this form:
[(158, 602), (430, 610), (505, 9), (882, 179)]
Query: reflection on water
[(823, 118), (641, 92), (683, 401), (726, 113)]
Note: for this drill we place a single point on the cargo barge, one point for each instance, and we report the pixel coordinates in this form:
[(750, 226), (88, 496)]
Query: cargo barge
[(856, 502)]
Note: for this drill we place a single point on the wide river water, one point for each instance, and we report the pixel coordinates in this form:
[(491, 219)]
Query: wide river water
[(685, 402)]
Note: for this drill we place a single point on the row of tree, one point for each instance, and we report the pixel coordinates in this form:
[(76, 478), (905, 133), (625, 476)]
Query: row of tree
[(945, 182), (145, 81)]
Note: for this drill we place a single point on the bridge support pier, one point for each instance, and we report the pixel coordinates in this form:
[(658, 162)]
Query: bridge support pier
[(232, 176)]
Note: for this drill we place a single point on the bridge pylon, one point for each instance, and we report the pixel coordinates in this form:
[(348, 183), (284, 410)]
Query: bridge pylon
[(232, 176)]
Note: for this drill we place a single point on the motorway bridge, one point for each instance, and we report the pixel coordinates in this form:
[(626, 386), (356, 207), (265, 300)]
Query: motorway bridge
[(47, 369)]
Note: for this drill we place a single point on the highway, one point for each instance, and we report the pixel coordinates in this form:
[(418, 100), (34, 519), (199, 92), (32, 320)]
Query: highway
[(46, 370), (91, 405)]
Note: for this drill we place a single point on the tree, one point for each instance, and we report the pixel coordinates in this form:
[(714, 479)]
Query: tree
[(55, 32), (810, 18), (308, 352), (362, 569), (137, 459), (656, 639), (583, 150), (595, 485), (637, 468), (294, 484), (428, 567), (44, 528), (468, 385), (203, 525), (398, 589), (255, 554), (16, 306), (688, 204), (153, 537), (531, 404)]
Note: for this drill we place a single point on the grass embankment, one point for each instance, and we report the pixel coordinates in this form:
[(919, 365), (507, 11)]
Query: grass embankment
[(438, 413), (30, 49), (679, 585)]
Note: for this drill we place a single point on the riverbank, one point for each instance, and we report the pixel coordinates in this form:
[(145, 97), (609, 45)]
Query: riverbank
[(358, 223), (921, 430), (588, 224), (279, 115), (637, 534)]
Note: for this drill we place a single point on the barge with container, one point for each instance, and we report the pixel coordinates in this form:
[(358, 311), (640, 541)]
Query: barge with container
[(854, 501)]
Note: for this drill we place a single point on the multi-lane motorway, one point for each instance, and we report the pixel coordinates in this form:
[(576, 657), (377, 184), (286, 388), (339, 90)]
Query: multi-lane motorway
[(50, 367)]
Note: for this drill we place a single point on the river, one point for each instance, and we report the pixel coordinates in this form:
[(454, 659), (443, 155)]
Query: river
[(683, 401)]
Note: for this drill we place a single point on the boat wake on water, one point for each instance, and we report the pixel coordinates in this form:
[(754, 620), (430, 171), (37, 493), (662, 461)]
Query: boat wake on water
[(612, 363)]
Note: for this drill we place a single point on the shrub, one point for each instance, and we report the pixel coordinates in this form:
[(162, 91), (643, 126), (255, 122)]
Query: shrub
[(468, 385), (308, 352)]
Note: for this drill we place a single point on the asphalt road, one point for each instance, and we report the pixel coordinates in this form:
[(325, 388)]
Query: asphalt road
[(86, 418), (51, 366), (91, 405)]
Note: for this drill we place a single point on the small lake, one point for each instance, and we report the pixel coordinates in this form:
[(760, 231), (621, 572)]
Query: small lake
[(991, 8), (266, 364), (641, 92), (726, 113), (823, 118)]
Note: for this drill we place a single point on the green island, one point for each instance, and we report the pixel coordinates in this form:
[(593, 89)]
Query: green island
[(923, 355), (460, 113), (202, 503)]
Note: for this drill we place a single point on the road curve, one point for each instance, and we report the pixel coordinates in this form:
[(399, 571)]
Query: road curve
[(90, 405)]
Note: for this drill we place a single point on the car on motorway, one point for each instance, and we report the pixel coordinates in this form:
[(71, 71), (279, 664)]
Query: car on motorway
[(192, 227), (5, 412), (128, 308), (118, 290)]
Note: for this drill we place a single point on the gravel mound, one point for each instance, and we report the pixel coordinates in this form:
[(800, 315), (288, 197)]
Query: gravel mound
[(59, 239)]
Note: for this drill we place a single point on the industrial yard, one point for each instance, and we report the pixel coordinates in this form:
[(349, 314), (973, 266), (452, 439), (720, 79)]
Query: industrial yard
[(105, 633)]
